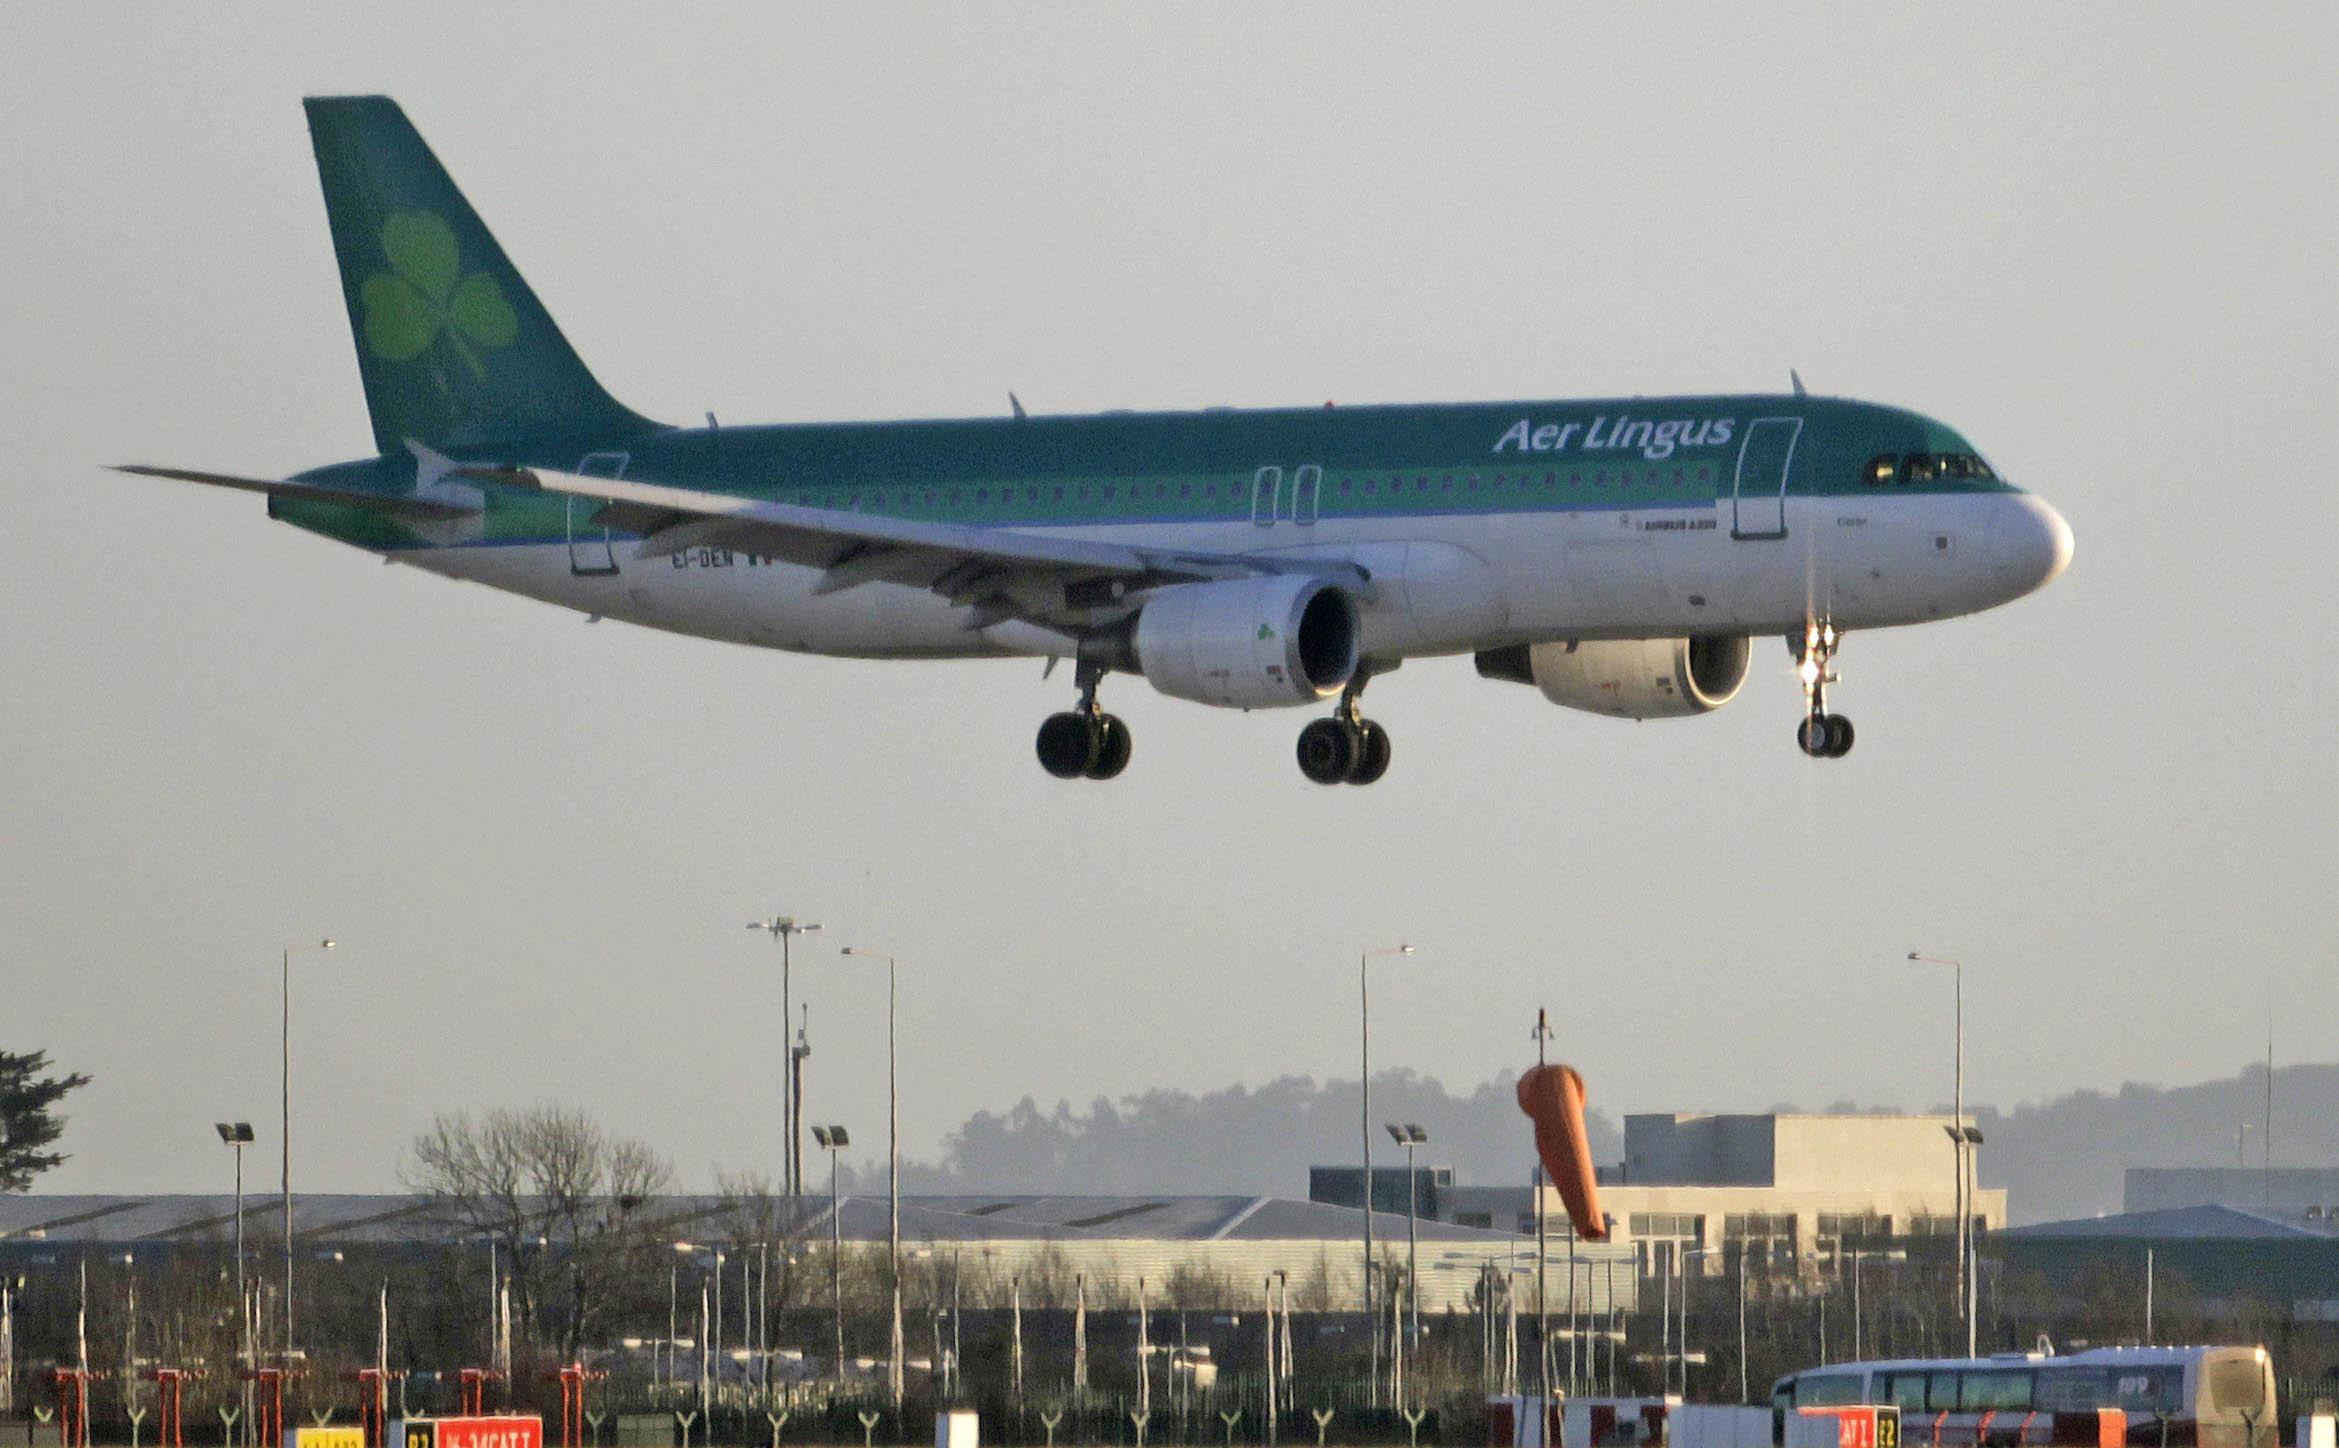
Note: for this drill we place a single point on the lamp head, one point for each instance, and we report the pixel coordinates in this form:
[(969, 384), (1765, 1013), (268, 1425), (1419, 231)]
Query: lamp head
[(837, 1134), (820, 1137)]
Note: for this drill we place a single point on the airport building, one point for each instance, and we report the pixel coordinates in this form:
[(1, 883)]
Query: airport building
[(1790, 1193), (2225, 1256), (1216, 1248), (2306, 1197)]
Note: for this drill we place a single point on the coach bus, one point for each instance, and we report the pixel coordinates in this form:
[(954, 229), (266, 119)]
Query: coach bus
[(2186, 1397)]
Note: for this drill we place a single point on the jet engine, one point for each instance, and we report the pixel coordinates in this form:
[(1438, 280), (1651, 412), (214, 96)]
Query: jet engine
[(1629, 678), (1248, 643)]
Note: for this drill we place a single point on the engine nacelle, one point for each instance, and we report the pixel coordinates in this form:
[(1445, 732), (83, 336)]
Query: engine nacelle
[(1629, 678), (1248, 643)]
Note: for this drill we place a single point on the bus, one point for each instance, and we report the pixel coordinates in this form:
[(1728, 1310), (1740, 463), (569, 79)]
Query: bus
[(2184, 1397)]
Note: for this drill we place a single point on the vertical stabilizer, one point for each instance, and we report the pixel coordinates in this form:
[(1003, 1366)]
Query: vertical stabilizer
[(454, 348)]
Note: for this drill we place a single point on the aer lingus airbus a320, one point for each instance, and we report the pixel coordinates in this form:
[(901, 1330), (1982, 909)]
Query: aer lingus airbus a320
[(1617, 555)]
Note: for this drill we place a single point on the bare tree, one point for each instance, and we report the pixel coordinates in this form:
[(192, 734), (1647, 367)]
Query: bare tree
[(565, 1203)]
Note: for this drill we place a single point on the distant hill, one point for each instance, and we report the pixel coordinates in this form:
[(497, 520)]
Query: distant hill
[(2066, 1157), (2057, 1159), (1240, 1139)]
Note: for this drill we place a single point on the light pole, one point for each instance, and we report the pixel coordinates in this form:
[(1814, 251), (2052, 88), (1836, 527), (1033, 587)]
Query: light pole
[(238, 1134), (1957, 1130), (1971, 1143), (285, 1041), (1410, 1136), (1364, 1118), (834, 1139), (1858, 1257), (1701, 1252), (784, 929), (893, 1371)]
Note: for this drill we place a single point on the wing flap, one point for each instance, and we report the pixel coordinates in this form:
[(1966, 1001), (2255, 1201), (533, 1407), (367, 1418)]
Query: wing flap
[(671, 519)]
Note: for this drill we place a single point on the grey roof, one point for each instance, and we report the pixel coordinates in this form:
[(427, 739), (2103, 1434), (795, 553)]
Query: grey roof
[(326, 1218), (2196, 1224)]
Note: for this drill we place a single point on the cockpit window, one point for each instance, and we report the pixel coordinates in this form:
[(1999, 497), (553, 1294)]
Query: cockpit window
[(1883, 470), (1917, 468), (1965, 465)]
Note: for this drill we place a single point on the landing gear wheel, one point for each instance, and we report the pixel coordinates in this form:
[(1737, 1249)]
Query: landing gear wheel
[(1328, 750), (1069, 746), (1372, 753), (1112, 747), (1821, 735)]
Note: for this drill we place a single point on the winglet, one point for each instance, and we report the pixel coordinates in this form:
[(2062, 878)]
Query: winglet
[(1017, 403), (1797, 378)]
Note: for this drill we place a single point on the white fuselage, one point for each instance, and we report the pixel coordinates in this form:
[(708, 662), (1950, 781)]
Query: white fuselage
[(1441, 583)]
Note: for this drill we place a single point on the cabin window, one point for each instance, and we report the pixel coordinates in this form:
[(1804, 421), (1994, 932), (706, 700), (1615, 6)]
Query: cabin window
[(1905, 1391), (1993, 1392), (1917, 468), (1883, 470), (1827, 1390)]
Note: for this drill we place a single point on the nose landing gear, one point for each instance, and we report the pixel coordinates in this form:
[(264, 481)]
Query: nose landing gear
[(1084, 742), (1821, 735), (1346, 748)]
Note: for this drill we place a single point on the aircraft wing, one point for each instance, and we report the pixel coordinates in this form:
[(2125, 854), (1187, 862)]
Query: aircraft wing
[(1000, 573), (422, 510)]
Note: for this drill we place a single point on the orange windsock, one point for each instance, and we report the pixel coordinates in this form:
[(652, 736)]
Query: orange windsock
[(1554, 1097)]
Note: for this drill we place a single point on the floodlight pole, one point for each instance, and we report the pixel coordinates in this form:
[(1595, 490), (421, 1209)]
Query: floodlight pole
[(1364, 1118), (1957, 1134), (785, 928), (1410, 1136), (835, 1139), (893, 1370), (285, 1042)]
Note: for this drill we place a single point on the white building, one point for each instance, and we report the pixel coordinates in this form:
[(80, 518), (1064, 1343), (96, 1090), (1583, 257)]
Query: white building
[(1794, 1192)]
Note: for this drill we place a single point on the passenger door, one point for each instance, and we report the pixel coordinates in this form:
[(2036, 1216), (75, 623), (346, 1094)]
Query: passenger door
[(1758, 506), (592, 553)]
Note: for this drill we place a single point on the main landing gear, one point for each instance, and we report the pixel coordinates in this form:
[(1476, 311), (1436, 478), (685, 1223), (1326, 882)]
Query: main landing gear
[(1346, 748), (1085, 742), (1821, 735)]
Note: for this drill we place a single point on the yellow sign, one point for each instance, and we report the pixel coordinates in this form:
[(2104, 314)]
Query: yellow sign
[(325, 1438)]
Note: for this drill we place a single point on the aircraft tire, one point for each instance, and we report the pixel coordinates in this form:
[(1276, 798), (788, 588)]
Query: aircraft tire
[(1067, 746), (1812, 735), (1372, 753), (1112, 748), (1839, 736), (1327, 751)]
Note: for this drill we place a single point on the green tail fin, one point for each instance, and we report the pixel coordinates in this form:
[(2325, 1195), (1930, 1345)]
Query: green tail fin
[(454, 348)]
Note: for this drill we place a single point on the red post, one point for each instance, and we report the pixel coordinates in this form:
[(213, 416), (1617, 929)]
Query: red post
[(373, 1414), (474, 1385), (268, 1405), (72, 1387), (572, 1379), (170, 1432)]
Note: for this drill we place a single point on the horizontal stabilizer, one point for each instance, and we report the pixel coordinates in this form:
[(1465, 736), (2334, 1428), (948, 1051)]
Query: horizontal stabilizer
[(421, 510)]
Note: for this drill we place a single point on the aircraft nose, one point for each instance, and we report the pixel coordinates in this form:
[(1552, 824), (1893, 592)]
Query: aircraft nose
[(2029, 544)]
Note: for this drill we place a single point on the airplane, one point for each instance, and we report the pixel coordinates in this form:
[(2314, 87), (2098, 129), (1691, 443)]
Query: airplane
[(1618, 555)]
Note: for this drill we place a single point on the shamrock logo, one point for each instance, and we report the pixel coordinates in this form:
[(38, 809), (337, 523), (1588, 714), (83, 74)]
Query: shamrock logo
[(1265, 633), (425, 294)]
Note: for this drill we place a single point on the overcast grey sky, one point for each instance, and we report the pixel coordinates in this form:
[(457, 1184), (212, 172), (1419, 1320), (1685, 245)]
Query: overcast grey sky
[(2097, 239)]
